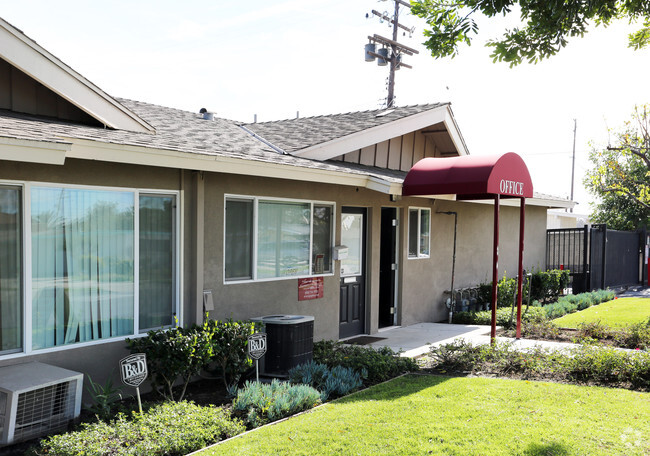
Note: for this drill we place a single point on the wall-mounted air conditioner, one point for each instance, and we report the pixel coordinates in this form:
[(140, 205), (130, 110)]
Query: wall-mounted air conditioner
[(37, 399)]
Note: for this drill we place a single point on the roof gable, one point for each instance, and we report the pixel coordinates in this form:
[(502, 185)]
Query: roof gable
[(326, 137), (26, 55)]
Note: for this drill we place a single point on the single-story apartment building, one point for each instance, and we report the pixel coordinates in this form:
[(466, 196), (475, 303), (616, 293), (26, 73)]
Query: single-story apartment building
[(117, 217)]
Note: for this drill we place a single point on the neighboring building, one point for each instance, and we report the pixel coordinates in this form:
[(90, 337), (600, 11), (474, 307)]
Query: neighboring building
[(116, 216), (563, 219)]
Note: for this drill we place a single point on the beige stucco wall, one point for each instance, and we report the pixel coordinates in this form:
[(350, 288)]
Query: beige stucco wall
[(422, 281)]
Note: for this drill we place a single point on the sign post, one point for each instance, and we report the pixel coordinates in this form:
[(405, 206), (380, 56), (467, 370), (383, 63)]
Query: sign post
[(133, 370), (257, 349)]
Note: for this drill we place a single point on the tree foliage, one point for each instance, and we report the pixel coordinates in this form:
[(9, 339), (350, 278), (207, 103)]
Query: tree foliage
[(546, 27), (620, 176)]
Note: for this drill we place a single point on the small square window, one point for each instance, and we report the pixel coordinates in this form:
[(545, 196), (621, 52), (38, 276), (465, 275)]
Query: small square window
[(419, 233)]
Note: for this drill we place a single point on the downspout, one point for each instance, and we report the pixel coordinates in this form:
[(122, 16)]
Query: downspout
[(452, 304)]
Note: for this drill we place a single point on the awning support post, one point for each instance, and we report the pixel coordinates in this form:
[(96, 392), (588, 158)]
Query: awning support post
[(520, 275), (495, 269)]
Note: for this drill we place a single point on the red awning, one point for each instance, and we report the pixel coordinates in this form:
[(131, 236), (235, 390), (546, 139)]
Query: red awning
[(470, 177)]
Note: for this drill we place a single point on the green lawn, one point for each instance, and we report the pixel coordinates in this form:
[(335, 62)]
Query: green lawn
[(422, 415), (618, 312)]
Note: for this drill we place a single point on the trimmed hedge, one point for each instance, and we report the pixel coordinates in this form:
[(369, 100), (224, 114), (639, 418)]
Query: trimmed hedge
[(573, 303), (504, 315), (170, 428)]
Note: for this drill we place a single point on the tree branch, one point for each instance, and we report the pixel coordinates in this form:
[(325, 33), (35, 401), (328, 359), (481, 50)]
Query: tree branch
[(625, 192)]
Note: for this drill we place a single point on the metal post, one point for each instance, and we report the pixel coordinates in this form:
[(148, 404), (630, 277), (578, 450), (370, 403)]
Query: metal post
[(520, 276), (585, 259), (495, 270)]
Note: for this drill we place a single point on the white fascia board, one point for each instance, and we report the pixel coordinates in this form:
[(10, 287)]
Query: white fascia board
[(380, 133), (137, 155), (454, 133), (26, 55), (22, 150), (542, 202)]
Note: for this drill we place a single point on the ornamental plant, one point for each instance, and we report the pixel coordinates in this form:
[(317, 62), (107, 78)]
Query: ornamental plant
[(175, 354), (230, 359), (260, 403)]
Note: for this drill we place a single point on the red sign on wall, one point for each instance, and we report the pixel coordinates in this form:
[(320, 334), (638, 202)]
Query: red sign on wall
[(311, 288)]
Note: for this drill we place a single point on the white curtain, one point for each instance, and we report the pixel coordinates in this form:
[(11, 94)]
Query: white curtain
[(10, 270), (283, 239), (157, 247), (82, 263)]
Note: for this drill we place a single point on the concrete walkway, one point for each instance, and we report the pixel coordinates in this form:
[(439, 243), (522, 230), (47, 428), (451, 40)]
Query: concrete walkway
[(416, 340)]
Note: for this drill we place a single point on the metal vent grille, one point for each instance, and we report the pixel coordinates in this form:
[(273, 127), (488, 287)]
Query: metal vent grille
[(45, 410), (3, 411)]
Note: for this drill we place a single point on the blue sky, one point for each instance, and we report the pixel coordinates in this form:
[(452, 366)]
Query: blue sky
[(274, 58)]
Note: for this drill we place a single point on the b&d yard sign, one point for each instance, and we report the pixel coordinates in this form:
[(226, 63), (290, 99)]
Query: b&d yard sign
[(257, 345), (133, 369), (257, 349)]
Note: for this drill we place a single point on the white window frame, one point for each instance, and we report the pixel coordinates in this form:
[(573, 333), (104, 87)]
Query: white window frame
[(26, 188), (256, 200), (419, 226)]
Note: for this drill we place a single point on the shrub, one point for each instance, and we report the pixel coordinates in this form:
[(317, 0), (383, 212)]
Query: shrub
[(260, 403), (594, 330), (170, 428), (550, 284), (104, 398), (572, 303), (381, 364), (504, 315), (230, 358), (173, 354), (592, 364), (336, 382), (559, 308), (635, 335)]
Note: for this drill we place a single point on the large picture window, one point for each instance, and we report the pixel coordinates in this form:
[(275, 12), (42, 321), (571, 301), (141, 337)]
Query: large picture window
[(419, 232), (268, 239), (102, 265)]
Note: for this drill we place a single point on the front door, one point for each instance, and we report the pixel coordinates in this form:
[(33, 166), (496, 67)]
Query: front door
[(387, 266), (352, 309)]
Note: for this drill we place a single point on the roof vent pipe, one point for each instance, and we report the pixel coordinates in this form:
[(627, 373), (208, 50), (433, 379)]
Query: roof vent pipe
[(206, 115), (254, 118)]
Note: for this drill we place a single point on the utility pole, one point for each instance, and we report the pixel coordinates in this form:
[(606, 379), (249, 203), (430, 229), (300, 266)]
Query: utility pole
[(391, 51), (573, 160)]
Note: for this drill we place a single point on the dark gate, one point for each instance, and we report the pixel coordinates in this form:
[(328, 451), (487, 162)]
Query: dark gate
[(597, 257), (616, 259), (568, 248)]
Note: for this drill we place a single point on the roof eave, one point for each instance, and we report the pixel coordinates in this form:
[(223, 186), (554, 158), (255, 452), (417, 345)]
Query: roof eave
[(35, 61)]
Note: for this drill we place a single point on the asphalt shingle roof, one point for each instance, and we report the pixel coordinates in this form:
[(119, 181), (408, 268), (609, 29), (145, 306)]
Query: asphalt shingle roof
[(292, 135), (176, 130)]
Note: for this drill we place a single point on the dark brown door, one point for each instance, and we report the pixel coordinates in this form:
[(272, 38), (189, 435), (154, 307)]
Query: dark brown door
[(352, 312), (387, 266)]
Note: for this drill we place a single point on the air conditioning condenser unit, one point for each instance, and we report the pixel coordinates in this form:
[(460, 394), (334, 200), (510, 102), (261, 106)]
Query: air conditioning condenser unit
[(37, 399)]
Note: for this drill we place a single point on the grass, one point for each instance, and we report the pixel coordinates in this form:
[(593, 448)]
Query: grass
[(458, 416), (615, 313)]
